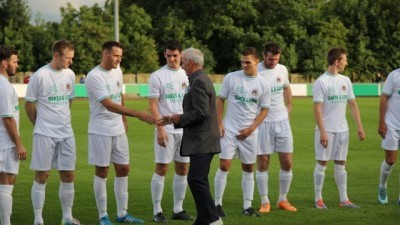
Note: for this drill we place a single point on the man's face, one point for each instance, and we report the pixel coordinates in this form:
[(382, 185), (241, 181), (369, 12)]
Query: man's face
[(113, 57), (341, 63), (173, 58), (12, 65), (249, 64), (271, 60), (65, 60)]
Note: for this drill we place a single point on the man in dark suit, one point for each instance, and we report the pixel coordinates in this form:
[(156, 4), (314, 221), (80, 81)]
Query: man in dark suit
[(200, 134)]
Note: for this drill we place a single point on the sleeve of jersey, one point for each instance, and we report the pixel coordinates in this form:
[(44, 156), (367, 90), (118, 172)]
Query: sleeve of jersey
[(224, 91), (389, 85), (318, 93), (287, 82), (96, 87), (265, 100), (6, 102), (72, 95), (154, 86), (350, 95), (32, 91)]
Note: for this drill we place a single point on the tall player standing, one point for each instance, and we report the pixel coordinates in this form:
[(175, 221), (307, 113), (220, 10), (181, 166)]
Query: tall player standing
[(11, 148), (275, 133)]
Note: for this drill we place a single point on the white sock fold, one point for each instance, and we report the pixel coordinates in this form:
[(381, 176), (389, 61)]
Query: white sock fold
[(285, 179), (248, 188), (157, 189), (319, 177), (66, 194), (386, 169), (6, 204), (100, 193), (121, 195), (341, 181), (179, 188), (219, 185), (262, 184), (38, 194)]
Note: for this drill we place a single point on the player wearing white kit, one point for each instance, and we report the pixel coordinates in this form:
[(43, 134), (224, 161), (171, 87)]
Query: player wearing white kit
[(331, 93), (167, 88), (275, 133), (248, 97), (11, 148), (107, 131), (48, 100), (389, 130)]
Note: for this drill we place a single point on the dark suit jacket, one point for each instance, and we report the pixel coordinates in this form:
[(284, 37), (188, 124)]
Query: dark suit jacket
[(199, 119)]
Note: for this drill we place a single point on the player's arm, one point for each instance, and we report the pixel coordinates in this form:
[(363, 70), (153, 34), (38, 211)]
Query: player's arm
[(355, 112), (30, 108), (162, 137), (122, 110), (320, 123), (124, 121), (244, 133), (12, 130), (287, 97), (220, 114), (383, 105)]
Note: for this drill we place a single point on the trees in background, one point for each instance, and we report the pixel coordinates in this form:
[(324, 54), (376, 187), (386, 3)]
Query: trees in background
[(369, 29)]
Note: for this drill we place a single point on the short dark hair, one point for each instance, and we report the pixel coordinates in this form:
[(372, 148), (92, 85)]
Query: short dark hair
[(108, 45), (335, 54), (6, 52), (272, 47), (60, 45), (172, 45), (251, 51)]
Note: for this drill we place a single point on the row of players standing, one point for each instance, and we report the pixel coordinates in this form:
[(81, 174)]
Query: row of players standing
[(50, 95), (255, 126)]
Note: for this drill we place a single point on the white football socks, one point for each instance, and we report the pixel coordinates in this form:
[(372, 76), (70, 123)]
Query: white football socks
[(179, 188), (262, 184), (6, 204), (100, 193), (219, 185), (121, 195), (38, 193), (248, 189), (157, 189)]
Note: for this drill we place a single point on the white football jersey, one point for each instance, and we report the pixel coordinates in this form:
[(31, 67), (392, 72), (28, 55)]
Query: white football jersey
[(334, 91), (278, 79), (392, 89), (245, 96), (101, 84), (52, 91), (169, 86), (8, 108)]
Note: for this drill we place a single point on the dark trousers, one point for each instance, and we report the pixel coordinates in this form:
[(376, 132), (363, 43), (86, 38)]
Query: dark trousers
[(200, 188)]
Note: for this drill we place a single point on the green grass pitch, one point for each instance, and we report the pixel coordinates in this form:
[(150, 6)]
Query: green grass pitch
[(363, 173)]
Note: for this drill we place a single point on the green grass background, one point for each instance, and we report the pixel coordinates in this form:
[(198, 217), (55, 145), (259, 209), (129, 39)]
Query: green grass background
[(363, 167)]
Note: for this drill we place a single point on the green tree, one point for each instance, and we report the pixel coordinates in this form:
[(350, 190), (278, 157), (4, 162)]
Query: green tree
[(87, 28), (15, 30)]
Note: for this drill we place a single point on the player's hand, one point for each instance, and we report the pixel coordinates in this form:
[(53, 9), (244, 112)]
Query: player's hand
[(145, 117), (361, 134), (165, 120), (21, 153), (162, 138), (324, 139), (221, 130), (382, 129), (244, 133)]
